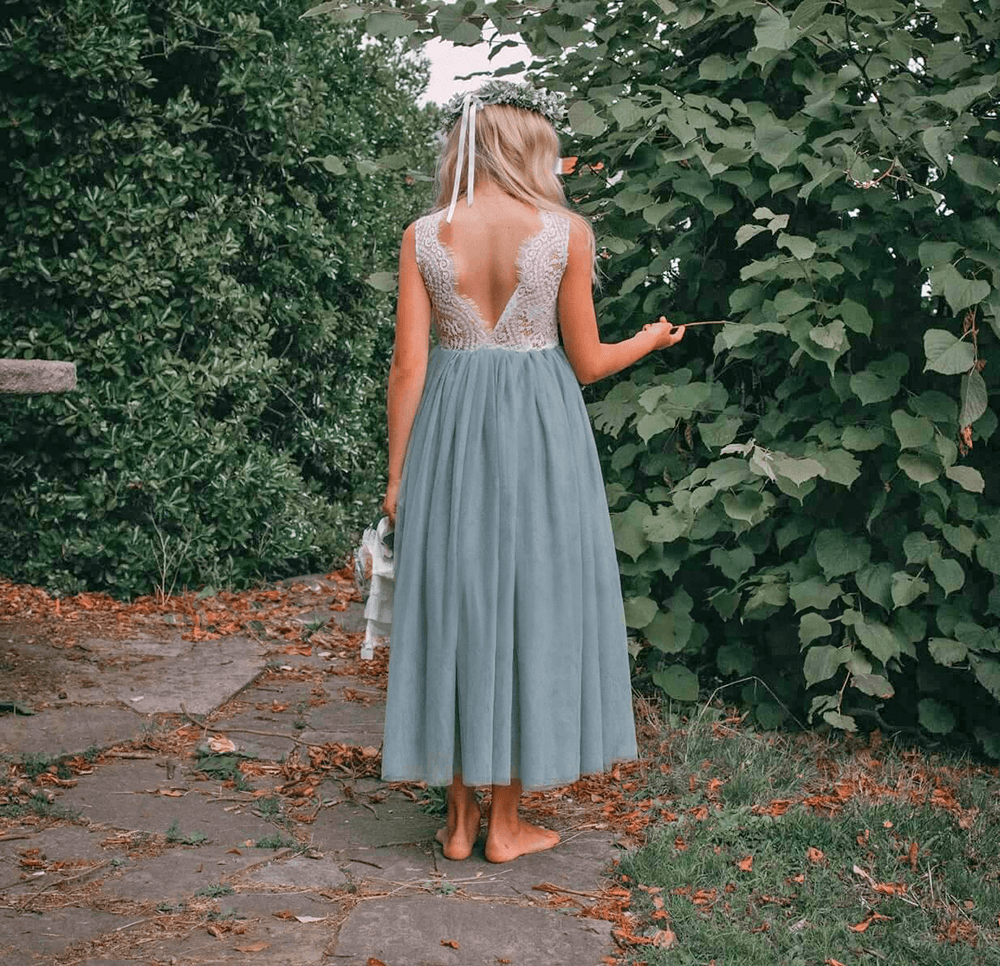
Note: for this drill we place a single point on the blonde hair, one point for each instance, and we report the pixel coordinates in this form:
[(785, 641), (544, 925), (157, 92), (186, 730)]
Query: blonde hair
[(516, 149)]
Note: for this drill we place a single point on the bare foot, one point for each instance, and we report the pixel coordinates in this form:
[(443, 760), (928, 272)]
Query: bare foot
[(458, 838), (502, 846)]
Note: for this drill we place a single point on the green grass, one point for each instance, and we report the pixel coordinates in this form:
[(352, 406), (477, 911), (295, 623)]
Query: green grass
[(41, 808), (174, 834), (791, 906), (213, 891), (436, 800), (277, 841), (223, 767)]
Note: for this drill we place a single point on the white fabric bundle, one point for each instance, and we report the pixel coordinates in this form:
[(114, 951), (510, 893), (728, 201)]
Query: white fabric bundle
[(374, 575)]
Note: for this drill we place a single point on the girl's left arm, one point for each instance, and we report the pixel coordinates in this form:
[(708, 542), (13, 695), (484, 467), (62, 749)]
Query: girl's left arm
[(408, 369)]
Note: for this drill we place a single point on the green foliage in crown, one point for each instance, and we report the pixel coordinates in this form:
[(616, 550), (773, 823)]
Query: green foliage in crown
[(547, 103)]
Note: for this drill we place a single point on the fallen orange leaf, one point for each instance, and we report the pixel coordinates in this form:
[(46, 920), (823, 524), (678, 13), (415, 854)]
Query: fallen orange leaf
[(832, 962), (890, 888), (372, 961), (664, 938), (453, 943), (865, 923), (255, 948), (745, 864), (814, 855)]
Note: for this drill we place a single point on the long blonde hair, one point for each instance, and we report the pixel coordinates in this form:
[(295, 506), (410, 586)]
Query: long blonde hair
[(517, 150)]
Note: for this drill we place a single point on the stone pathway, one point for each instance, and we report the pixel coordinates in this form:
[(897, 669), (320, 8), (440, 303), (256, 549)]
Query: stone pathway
[(157, 858)]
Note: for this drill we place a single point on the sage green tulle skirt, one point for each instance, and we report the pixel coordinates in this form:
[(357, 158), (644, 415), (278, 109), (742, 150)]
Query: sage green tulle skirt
[(508, 655)]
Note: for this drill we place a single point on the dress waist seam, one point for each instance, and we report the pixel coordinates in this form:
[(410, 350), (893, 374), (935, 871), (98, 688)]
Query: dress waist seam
[(504, 348)]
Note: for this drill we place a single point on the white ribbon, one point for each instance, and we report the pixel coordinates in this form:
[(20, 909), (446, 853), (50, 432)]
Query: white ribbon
[(468, 124)]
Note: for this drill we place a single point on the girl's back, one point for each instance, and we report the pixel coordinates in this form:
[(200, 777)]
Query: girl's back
[(484, 242)]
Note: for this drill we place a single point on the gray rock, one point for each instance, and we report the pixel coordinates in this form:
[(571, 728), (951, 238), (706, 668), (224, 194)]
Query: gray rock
[(25, 376)]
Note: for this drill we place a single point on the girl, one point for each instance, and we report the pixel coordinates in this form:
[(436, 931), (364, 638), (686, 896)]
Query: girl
[(508, 663)]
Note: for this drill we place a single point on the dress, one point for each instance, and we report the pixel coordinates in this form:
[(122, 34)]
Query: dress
[(508, 655)]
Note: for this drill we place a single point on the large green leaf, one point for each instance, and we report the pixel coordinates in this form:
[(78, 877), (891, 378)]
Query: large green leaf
[(935, 716), (628, 529), (584, 120), (837, 553), (773, 29), (875, 582), (911, 431), (974, 398), (813, 626), (822, 662), (960, 292), (389, 23), (920, 469), (814, 592), (906, 588), (639, 611), (677, 682), (878, 639), (948, 573), (946, 353), (967, 477), (775, 142), (975, 170), (987, 671), (946, 651)]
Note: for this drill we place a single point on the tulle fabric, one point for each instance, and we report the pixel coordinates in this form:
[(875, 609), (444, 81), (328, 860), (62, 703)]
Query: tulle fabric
[(508, 654)]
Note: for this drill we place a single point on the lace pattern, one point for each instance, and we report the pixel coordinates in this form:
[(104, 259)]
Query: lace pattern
[(529, 320)]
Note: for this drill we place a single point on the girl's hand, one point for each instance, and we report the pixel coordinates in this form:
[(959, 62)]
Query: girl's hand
[(666, 334), (389, 503)]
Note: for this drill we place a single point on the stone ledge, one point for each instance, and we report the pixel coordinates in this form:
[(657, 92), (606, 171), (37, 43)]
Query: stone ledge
[(26, 376)]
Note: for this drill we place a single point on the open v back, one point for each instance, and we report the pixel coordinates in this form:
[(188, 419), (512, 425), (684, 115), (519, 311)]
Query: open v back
[(494, 283)]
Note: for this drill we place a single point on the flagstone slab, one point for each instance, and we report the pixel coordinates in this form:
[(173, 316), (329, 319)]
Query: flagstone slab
[(180, 872), (349, 722), (410, 931), (285, 943), (70, 730), (394, 821), (298, 871), (124, 794), (56, 844), (374, 869), (30, 938), (201, 675)]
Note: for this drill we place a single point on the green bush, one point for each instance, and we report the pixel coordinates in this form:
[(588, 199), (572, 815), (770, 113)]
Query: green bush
[(811, 500), (193, 196)]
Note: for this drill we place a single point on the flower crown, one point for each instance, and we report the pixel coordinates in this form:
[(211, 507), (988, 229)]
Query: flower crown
[(547, 103)]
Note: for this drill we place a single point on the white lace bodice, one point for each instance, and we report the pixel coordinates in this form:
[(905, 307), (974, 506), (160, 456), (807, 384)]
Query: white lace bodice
[(529, 320)]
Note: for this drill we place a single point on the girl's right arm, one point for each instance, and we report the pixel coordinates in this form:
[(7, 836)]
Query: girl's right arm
[(590, 358)]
